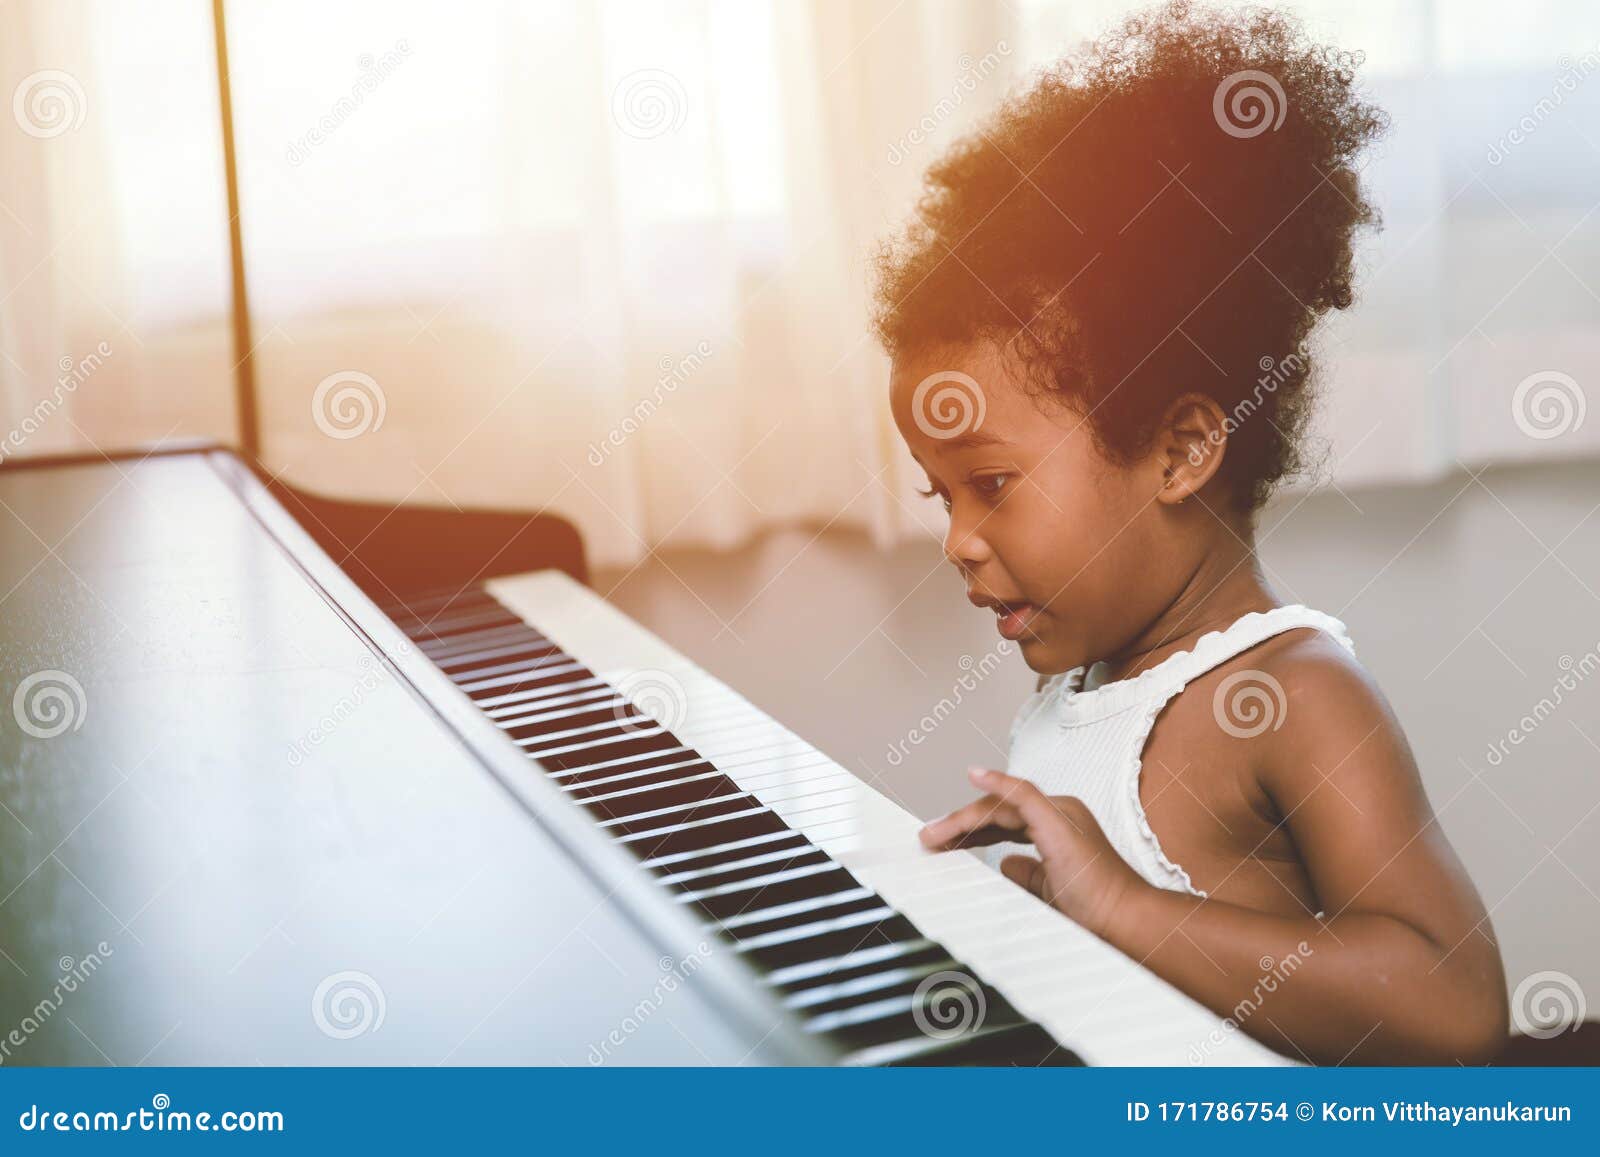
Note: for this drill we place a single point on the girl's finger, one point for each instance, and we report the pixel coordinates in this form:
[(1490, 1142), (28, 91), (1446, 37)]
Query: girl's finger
[(1026, 872), (982, 812), (985, 812), (1053, 833)]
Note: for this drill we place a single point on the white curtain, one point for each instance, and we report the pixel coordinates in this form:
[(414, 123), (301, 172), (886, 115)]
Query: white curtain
[(610, 258), (113, 242)]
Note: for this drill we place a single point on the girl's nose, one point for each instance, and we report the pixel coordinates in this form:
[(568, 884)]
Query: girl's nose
[(964, 546)]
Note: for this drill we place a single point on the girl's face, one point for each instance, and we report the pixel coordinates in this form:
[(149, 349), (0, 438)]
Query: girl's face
[(1074, 552)]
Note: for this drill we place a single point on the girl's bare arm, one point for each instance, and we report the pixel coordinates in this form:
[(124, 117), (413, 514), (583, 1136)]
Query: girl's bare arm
[(1401, 968)]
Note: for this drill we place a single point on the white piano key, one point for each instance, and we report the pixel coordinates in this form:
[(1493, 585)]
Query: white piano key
[(791, 790), (802, 819)]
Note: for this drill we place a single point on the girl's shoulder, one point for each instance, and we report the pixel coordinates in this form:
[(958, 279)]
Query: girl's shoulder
[(1303, 712)]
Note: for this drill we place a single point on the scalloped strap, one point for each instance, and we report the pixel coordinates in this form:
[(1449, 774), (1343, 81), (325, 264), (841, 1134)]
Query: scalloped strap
[(1211, 651), (1073, 737), (1246, 632)]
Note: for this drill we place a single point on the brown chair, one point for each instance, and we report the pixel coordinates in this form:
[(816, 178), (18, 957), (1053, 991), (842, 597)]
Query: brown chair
[(395, 551), (1579, 1045)]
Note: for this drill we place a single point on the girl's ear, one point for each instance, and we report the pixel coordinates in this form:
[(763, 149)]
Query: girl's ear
[(1190, 446)]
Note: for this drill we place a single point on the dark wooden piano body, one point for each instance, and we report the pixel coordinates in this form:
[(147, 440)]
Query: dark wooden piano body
[(258, 838)]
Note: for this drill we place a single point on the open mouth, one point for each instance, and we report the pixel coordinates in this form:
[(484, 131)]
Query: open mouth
[(1015, 619), (1014, 616)]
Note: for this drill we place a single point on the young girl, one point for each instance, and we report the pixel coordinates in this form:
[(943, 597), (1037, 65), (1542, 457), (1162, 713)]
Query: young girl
[(1097, 325)]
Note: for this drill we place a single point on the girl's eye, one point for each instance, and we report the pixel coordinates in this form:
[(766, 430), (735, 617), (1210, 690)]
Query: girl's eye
[(990, 485), (944, 499)]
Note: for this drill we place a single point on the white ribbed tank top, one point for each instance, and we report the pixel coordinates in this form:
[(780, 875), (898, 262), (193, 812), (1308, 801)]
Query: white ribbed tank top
[(1078, 735)]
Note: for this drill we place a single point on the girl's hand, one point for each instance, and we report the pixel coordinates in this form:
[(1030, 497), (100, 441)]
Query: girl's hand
[(1078, 871)]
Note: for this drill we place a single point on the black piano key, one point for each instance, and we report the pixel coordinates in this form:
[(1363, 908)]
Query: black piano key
[(749, 862), (600, 743), (565, 710), (479, 648), (504, 677), (781, 918), (476, 620), (476, 662), (497, 705), (880, 984), (592, 720), (664, 758), (435, 642), (442, 604), (815, 987), (1024, 1045), (556, 699), (857, 962), (714, 785), (587, 727), (928, 1011), (441, 599), (582, 721), (674, 815), (703, 833), (642, 781), (451, 625), (591, 771), (652, 767), (611, 781), (722, 853), (827, 938), (567, 756), (522, 661), (490, 635), (768, 890)]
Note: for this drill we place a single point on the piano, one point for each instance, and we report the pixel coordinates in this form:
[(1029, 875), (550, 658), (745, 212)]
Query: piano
[(296, 818)]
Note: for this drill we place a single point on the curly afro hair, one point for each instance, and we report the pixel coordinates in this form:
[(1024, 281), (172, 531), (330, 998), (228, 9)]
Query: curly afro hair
[(1168, 212)]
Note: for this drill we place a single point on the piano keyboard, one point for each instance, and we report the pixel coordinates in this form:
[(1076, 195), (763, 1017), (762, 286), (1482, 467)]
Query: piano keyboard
[(895, 955)]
